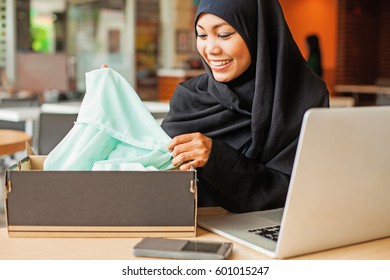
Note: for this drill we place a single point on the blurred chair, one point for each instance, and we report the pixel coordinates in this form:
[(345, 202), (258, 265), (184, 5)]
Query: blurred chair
[(12, 125), (19, 102), (53, 127), (16, 102), (341, 101), (12, 102), (383, 99)]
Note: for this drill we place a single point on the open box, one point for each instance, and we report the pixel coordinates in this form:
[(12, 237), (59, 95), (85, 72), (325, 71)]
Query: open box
[(98, 203)]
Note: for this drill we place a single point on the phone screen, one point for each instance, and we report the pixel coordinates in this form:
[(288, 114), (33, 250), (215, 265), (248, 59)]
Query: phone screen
[(182, 249), (192, 246)]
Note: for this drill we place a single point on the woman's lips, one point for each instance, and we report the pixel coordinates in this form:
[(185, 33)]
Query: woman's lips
[(219, 65)]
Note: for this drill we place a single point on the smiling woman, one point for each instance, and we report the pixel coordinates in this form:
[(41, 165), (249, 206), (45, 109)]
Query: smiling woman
[(222, 48), (238, 124)]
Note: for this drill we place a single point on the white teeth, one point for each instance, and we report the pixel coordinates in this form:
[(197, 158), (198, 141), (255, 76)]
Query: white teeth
[(220, 63)]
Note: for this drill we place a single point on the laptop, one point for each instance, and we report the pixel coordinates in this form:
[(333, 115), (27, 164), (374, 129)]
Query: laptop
[(339, 191)]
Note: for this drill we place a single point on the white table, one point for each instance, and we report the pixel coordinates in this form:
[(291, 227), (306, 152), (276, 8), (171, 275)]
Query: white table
[(341, 101), (29, 115), (356, 90), (367, 89), (74, 107), (18, 114), (157, 109)]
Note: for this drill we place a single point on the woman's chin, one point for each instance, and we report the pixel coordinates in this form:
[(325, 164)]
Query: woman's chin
[(222, 78)]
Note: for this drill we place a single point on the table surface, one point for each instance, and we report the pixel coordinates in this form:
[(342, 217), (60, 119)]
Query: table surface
[(368, 89), (12, 141), (120, 248)]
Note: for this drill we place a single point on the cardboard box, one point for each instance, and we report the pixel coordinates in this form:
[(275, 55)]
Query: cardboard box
[(98, 203)]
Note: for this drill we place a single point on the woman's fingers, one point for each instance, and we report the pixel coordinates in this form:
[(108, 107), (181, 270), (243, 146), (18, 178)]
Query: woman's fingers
[(190, 149)]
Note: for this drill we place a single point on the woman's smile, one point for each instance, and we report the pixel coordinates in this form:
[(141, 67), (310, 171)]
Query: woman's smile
[(218, 65)]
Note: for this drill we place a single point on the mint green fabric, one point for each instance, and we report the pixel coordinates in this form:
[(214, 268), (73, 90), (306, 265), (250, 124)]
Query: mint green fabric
[(113, 131)]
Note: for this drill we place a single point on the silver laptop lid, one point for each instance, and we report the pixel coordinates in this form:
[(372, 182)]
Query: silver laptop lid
[(340, 186)]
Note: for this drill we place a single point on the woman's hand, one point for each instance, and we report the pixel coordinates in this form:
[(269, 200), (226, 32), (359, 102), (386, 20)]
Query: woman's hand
[(190, 149)]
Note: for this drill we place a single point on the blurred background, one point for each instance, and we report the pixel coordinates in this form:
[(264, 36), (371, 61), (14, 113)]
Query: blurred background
[(47, 46)]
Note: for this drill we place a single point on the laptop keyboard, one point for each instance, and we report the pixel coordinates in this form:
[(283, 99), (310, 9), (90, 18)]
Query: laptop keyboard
[(267, 232)]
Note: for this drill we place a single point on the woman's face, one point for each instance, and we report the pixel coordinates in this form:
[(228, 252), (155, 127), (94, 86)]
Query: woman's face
[(222, 48)]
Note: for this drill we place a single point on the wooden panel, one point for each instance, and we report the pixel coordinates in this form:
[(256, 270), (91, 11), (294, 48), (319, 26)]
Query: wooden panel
[(167, 86), (384, 47), (363, 52), (101, 228), (358, 38), (27, 234), (108, 232)]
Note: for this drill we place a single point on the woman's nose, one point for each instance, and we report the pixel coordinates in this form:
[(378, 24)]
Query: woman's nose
[(212, 47)]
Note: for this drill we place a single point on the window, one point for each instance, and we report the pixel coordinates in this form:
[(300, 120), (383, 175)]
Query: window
[(2, 33)]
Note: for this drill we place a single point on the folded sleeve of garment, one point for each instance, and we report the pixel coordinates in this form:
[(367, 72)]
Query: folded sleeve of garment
[(113, 131)]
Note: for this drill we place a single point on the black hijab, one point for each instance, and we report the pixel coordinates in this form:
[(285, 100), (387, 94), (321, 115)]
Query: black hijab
[(260, 112)]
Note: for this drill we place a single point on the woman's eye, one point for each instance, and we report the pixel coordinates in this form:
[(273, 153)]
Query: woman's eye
[(225, 35), (202, 36)]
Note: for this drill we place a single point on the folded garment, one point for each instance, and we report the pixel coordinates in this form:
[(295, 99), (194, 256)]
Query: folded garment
[(113, 131)]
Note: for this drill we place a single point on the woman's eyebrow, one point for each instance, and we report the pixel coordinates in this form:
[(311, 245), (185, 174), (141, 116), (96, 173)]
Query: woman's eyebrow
[(199, 26), (215, 26)]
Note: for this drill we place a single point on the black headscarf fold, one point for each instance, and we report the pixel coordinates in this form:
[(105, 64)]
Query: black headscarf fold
[(260, 112)]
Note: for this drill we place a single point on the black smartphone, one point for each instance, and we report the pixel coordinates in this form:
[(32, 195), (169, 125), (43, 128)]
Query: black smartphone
[(182, 249)]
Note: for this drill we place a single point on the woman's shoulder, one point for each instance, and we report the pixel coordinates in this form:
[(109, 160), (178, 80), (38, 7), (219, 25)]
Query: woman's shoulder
[(191, 87), (196, 81)]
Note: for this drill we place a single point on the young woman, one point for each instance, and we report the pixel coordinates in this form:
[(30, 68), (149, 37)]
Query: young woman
[(238, 124)]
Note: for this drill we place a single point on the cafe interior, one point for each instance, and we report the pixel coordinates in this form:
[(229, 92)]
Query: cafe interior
[(47, 47)]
